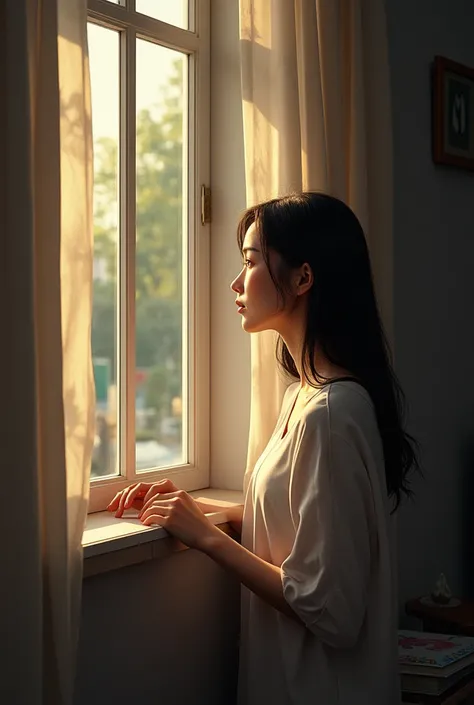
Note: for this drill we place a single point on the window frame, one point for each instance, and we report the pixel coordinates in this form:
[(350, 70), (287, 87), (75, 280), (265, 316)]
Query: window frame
[(195, 42)]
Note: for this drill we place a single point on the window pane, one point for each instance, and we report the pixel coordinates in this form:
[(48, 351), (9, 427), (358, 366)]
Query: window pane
[(170, 11), (104, 68), (161, 132)]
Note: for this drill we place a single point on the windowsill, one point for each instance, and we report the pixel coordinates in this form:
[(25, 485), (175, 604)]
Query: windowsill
[(111, 543)]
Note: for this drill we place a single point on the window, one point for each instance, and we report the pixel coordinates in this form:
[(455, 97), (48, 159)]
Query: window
[(149, 64)]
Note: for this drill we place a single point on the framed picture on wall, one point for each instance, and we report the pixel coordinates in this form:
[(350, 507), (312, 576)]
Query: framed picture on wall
[(453, 113)]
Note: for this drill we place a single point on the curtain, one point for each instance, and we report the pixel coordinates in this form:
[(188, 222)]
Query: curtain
[(316, 111), (47, 380)]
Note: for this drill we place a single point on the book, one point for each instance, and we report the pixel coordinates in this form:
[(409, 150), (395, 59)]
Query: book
[(432, 663), (435, 685), (460, 692), (432, 650)]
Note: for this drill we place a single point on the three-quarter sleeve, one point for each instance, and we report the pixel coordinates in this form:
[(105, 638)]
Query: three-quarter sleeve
[(326, 575)]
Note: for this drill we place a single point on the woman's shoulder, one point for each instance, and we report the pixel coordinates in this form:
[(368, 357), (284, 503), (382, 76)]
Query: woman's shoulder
[(348, 394), (345, 406)]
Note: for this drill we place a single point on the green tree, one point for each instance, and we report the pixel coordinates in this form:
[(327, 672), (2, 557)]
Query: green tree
[(158, 271)]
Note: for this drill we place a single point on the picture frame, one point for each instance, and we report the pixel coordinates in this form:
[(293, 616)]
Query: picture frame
[(453, 114)]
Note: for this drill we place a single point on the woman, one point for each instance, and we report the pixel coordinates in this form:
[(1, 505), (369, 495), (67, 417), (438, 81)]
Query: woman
[(319, 617)]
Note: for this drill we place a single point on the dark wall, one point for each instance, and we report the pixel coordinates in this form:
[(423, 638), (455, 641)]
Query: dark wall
[(165, 631), (433, 298)]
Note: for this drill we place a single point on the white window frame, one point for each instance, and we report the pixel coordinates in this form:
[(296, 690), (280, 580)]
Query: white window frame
[(196, 43)]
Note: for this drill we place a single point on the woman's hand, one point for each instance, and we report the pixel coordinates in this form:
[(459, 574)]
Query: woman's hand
[(138, 495), (178, 513)]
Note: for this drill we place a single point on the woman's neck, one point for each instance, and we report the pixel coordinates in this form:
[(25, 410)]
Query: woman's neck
[(293, 333), (325, 369)]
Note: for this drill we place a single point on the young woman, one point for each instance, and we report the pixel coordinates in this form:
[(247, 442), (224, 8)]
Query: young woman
[(319, 612)]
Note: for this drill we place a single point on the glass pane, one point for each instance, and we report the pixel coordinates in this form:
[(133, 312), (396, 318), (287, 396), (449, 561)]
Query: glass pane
[(170, 11), (161, 134), (104, 68)]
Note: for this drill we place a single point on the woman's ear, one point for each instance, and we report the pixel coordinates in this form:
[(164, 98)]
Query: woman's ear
[(304, 279)]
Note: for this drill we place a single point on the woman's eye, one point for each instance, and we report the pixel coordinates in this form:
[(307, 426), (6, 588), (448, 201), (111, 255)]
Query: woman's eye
[(247, 263)]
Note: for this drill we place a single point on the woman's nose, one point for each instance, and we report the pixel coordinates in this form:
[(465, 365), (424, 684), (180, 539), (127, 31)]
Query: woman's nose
[(236, 285)]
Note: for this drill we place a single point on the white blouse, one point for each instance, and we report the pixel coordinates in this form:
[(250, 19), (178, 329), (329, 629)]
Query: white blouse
[(316, 505)]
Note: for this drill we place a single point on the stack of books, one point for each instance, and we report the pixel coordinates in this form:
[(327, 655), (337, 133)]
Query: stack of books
[(434, 664)]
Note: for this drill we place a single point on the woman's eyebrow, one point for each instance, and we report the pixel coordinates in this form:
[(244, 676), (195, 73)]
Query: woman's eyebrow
[(249, 249)]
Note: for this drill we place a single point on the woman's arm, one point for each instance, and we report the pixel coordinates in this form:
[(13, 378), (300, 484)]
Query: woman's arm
[(184, 517), (264, 579)]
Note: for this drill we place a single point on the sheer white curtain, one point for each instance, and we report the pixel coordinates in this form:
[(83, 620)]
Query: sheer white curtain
[(47, 382), (316, 105)]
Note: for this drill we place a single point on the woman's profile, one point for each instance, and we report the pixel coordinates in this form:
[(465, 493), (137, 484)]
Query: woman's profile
[(319, 602)]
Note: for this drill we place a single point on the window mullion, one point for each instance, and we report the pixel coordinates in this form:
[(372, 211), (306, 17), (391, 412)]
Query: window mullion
[(189, 234), (127, 254)]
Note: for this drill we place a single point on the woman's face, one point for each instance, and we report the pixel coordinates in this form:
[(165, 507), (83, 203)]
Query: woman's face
[(257, 298)]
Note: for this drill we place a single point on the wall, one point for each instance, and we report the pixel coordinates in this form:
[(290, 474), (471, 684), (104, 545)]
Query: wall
[(230, 345), (160, 632), (433, 298)]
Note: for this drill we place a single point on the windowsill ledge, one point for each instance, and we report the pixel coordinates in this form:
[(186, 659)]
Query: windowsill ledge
[(111, 543)]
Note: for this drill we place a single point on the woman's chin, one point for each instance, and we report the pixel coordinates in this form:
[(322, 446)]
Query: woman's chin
[(252, 327), (247, 325)]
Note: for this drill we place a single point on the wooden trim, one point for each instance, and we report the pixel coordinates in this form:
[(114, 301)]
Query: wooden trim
[(121, 17), (141, 553)]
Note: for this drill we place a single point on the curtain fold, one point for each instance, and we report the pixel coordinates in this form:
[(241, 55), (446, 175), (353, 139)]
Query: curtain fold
[(316, 110), (47, 378)]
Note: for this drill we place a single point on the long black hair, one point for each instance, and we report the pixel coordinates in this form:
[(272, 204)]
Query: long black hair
[(343, 320)]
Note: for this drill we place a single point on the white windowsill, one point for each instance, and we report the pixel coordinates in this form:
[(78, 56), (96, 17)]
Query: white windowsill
[(111, 543)]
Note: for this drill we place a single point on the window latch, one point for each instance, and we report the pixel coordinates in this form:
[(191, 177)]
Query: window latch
[(205, 205)]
